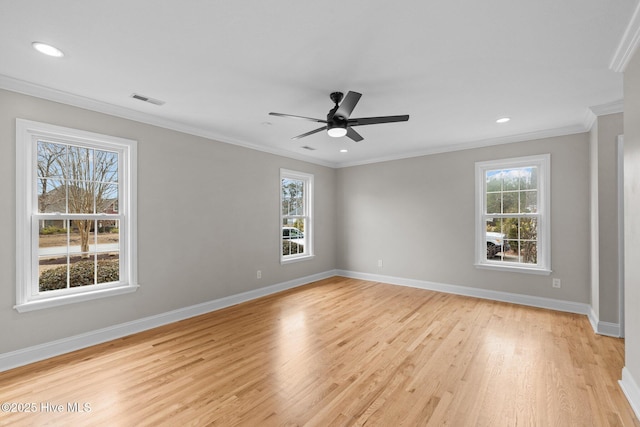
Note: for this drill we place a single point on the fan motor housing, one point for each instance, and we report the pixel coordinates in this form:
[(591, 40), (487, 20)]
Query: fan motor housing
[(336, 97)]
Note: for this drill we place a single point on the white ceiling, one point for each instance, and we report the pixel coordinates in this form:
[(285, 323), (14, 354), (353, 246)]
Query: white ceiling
[(221, 67)]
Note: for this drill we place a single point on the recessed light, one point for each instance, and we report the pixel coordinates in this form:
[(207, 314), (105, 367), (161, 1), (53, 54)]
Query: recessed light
[(47, 49), (344, 150), (503, 120)]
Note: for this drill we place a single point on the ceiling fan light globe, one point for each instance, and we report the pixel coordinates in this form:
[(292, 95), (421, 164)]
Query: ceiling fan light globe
[(337, 132)]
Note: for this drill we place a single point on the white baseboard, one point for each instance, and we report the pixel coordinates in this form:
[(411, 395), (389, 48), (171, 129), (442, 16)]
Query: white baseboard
[(540, 302), (630, 389), (603, 328), (39, 352), (609, 329)]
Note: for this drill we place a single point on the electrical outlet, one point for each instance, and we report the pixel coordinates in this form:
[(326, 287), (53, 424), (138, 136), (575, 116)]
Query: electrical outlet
[(556, 283), (380, 263), (259, 274)]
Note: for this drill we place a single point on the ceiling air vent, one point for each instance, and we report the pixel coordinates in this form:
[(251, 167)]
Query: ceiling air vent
[(306, 147), (147, 99)]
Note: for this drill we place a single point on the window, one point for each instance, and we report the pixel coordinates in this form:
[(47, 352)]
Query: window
[(296, 202), (75, 215), (512, 212)]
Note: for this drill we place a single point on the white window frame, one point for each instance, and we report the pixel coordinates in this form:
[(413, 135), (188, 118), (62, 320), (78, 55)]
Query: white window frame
[(543, 163), (28, 296), (307, 215)]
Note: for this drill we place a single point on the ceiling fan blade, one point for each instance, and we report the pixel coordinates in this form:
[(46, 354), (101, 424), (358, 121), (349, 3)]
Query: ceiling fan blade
[(375, 120), (354, 135), (348, 104), (310, 132), (298, 117)]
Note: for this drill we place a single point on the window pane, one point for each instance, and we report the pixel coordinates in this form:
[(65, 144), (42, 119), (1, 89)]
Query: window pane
[(82, 238), (50, 177), (80, 197), (529, 178), (494, 181), (293, 238), (107, 199), (510, 227), (82, 272), (529, 252), (293, 197), (52, 195), (511, 251), (494, 225), (51, 160), (511, 179), (53, 237), (494, 203), (106, 166), (510, 202), (53, 273), (80, 164), (494, 238), (108, 268), (528, 229), (81, 189), (529, 201)]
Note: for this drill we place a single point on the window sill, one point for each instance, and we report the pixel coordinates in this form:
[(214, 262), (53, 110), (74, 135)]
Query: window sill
[(296, 259), (70, 299), (514, 269)]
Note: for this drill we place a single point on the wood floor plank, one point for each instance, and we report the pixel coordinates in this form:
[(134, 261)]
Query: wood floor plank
[(339, 352)]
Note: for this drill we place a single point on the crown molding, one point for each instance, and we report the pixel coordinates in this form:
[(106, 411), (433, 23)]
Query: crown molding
[(628, 44), (590, 118), (31, 89), (20, 86), (609, 108)]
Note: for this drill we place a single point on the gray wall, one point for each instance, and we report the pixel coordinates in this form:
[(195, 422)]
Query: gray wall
[(632, 215), (608, 129), (417, 215), (207, 220)]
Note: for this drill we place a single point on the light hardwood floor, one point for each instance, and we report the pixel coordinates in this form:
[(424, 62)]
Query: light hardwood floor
[(339, 352)]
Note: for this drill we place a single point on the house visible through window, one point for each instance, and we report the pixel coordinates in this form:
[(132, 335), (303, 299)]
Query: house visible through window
[(76, 211), (512, 205), (296, 189)]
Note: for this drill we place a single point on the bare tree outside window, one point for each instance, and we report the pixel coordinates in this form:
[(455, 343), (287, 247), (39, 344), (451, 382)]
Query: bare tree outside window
[(81, 182)]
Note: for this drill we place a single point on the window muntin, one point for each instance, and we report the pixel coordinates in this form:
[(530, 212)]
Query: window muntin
[(512, 214), (295, 215), (76, 214)]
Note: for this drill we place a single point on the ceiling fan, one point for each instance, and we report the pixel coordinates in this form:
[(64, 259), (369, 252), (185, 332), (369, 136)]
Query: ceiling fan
[(338, 122)]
